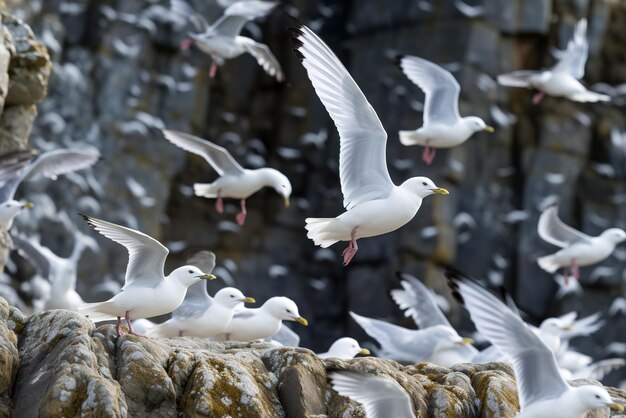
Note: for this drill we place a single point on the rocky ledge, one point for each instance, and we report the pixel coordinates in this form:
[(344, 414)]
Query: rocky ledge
[(58, 364)]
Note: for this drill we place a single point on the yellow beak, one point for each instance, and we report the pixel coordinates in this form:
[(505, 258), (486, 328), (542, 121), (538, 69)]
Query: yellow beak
[(28, 205), (489, 129), (208, 277), (568, 328), (466, 341), (302, 321), (440, 191), (286, 202), (248, 300), (365, 352), (617, 407)]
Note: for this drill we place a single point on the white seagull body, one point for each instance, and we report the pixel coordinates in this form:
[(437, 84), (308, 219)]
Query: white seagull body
[(344, 348), (578, 249), (249, 324), (562, 80), (235, 181), (374, 204), (443, 125), (147, 292), (543, 393), (222, 41)]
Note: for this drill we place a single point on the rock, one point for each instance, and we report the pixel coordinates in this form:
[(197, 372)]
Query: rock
[(64, 366)]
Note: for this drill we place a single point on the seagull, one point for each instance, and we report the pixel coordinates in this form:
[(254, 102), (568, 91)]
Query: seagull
[(13, 161), (374, 204), (60, 272), (344, 349), (578, 249), (147, 292), (234, 181), (49, 164), (380, 396), (222, 41), (436, 344), (251, 324), (443, 126), (543, 393), (562, 80)]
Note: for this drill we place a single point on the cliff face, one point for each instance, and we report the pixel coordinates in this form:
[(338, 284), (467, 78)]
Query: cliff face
[(57, 364)]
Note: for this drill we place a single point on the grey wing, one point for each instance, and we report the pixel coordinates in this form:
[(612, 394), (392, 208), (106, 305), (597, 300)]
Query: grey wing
[(236, 16), (574, 58), (419, 302), (380, 396), (551, 229), (146, 256), (12, 162), (287, 337), (517, 78), (32, 252), (536, 370), (204, 260), (196, 302), (217, 156), (264, 57), (363, 141), (439, 85)]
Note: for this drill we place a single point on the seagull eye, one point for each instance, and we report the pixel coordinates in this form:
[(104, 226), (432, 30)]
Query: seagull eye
[(190, 271), (597, 396), (232, 296), (424, 183), (288, 310)]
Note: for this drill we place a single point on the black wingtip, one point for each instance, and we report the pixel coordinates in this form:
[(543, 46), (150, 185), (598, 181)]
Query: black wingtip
[(299, 54), (295, 22), (453, 277), (87, 219), (398, 60)]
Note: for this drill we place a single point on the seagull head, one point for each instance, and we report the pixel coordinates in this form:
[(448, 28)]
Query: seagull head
[(231, 297), (447, 338), (555, 326), (8, 211), (422, 186), (284, 309), (614, 235), (595, 397), (476, 124), (279, 182), (347, 348), (189, 275)]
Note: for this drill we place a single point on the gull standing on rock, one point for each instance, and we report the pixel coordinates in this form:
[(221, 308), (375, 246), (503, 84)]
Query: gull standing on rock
[(374, 204), (443, 126), (147, 292), (542, 391), (234, 181), (579, 249), (344, 349), (222, 41), (562, 80)]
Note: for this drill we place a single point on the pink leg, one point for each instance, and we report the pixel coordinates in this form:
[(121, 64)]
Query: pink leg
[(185, 44), (428, 155), (351, 249), (537, 98), (565, 276), (118, 326), (241, 216), (130, 326), (219, 203), (213, 69), (575, 270)]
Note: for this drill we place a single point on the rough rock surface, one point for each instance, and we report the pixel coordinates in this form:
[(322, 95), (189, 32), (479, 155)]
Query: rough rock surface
[(57, 364)]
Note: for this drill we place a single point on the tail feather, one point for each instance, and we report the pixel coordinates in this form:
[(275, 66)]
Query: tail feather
[(204, 190), (164, 330), (548, 263), (319, 231), (93, 311), (589, 96), (408, 138)]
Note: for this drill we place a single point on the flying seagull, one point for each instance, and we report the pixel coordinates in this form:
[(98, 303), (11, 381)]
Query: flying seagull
[(562, 80), (234, 181), (542, 391), (443, 126), (147, 292), (374, 204), (222, 41), (578, 249)]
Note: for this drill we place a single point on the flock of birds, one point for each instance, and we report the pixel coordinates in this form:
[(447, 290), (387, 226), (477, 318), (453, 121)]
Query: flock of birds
[(541, 356)]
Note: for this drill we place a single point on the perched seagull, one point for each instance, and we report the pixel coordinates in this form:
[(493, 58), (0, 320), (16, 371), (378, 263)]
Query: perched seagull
[(200, 315), (147, 292), (60, 272), (374, 205), (436, 344), (542, 391), (222, 41), (234, 181), (380, 396), (49, 164), (443, 126), (562, 80), (344, 349), (251, 324), (578, 249)]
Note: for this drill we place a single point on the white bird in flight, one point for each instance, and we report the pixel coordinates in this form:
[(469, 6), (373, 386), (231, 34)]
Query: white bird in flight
[(562, 80), (235, 181), (578, 249), (443, 125), (147, 292), (374, 204), (222, 41), (543, 393), (344, 348)]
